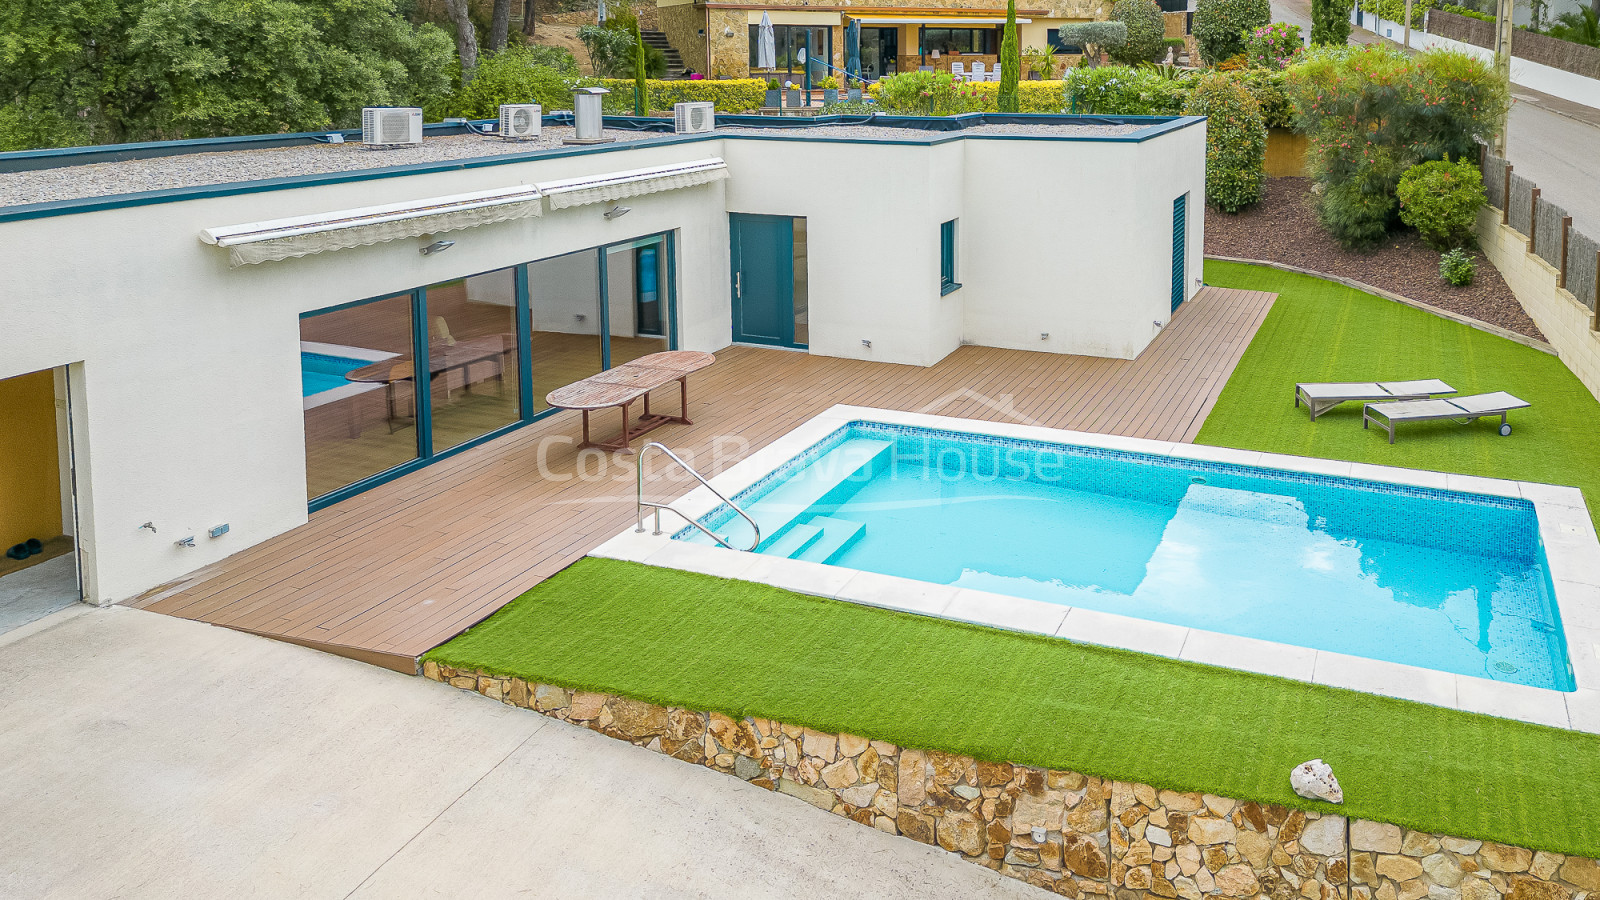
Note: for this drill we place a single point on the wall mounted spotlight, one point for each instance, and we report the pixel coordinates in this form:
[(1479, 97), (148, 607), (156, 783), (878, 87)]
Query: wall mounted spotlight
[(617, 212), (437, 247)]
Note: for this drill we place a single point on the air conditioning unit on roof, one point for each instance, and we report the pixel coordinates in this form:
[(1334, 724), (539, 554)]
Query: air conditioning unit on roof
[(386, 127), (694, 118), (520, 121)]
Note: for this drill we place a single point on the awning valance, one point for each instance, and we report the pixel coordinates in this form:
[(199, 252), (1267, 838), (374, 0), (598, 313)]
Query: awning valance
[(318, 233), (927, 19), (631, 183)]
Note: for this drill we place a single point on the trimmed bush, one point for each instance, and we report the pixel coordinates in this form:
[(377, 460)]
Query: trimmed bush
[(1457, 268), (1147, 32), (1095, 38), (1124, 91), (732, 96), (929, 94), (1236, 142), (1220, 25), (1273, 46), (1441, 199), (1330, 22)]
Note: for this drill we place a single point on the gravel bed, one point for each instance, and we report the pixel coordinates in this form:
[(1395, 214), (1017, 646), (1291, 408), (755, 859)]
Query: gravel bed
[(1283, 227), (227, 167)]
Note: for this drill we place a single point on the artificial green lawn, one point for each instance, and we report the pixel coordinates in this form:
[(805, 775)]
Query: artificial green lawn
[(680, 639), (1321, 331)]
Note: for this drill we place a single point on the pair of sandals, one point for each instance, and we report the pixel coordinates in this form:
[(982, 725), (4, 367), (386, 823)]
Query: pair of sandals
[(25, 549)]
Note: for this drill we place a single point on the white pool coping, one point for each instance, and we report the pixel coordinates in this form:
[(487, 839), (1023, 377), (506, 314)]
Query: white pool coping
[(1571, 550)]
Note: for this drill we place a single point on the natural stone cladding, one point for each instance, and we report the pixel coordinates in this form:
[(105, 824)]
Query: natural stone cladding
[(1077, 835)]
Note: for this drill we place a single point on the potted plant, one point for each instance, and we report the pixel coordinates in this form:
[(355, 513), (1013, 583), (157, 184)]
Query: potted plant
[(830, 89), (854, 94), (774, 94), (794, 95)]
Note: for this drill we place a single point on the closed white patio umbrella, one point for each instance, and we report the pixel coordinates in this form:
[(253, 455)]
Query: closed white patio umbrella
[(766, 45), (600, 13)]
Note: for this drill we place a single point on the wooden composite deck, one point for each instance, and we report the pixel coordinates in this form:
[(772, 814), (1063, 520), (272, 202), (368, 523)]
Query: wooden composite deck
[(400, 569)]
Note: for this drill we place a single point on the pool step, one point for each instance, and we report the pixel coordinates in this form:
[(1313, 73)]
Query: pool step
[(832, 477), (836, 536), (794, 541)]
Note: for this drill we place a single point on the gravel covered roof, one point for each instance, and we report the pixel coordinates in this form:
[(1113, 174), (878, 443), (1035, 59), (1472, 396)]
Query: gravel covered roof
[(235, 166)]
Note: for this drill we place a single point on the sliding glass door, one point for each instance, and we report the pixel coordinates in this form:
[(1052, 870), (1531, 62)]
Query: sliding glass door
[(394, 382)]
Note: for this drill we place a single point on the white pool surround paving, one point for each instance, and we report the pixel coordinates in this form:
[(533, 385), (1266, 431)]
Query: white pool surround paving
[(1571, 550)]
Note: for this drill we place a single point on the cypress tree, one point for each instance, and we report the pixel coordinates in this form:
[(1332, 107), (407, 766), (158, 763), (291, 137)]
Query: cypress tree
[(1330, 22), (1010, 63), (638, 71)]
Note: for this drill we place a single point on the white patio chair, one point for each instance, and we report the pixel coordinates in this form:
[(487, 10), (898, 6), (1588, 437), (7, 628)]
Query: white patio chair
[(994, 73), (958, 70), (977, 71)]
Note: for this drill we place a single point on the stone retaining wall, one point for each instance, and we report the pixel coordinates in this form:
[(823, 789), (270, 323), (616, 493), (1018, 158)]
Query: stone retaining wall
[(1077, 835)]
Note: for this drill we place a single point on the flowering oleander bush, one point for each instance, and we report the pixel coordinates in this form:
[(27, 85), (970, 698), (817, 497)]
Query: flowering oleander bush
[(1373, 112), (1457, 268), (1441, 200), (1236, 142), (1273, 46)]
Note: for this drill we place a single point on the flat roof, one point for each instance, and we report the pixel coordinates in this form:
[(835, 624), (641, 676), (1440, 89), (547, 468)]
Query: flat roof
[(36, 184)]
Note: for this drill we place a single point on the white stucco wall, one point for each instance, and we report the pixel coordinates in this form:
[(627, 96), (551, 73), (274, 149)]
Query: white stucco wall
[(185, 373), (1525, 72), (1096, 279)]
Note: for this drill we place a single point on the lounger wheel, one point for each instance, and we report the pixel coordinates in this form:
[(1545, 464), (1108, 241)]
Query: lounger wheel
[(1505, 429)]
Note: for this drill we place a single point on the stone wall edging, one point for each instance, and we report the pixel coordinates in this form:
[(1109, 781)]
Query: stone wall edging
[(1078, 835)]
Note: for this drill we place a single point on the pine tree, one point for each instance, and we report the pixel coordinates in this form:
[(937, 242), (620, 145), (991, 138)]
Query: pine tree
[(1010, 63), (638, 71)]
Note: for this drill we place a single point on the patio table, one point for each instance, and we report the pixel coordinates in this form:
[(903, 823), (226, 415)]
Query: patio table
[(624, 384)]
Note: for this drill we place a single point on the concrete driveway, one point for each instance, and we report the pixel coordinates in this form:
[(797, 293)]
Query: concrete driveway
[(148, 756)]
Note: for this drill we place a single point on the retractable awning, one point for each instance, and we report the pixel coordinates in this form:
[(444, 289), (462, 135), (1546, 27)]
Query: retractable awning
[(258, 242), (631, 183)]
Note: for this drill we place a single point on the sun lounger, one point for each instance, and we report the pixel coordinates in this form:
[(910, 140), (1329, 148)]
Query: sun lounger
[(1321, 397), (1460, 409)]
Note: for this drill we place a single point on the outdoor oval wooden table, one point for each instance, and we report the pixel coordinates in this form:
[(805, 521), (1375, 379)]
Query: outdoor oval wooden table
[(622, 385)]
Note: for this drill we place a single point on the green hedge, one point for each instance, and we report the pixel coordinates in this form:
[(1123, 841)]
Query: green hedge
[(732, 96), (1032, 97)]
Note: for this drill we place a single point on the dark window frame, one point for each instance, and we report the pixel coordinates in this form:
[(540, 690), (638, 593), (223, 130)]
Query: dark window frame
[(948, 247)]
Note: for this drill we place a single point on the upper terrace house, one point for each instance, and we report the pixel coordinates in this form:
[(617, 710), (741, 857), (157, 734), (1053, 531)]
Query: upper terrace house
[(896, 35), (215, 393)]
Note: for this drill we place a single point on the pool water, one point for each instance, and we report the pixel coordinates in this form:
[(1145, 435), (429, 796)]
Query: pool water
[(1444, 580), (321, 372)]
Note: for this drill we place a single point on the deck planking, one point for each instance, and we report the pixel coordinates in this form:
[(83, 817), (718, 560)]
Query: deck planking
[(393, 572)]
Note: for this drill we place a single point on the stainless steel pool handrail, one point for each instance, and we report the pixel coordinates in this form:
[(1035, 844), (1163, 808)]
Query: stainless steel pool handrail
[(641, 502)]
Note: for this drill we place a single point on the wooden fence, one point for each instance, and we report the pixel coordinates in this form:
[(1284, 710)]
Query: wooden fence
[(1548, 229), (1540, 48)]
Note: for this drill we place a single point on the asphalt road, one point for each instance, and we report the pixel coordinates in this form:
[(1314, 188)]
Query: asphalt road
[(1552, 141)]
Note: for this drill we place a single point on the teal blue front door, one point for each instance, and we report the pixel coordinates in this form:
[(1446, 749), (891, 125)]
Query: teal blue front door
[(762, 253)]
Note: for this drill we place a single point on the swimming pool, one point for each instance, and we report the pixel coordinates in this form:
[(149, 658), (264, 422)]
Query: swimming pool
[(323, 372), (1425, 577)]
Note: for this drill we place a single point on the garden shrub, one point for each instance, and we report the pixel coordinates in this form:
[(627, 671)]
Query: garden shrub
[(611, 47), (1330, 22), (1469, 13), (1273, 46), (1236, 142), (1441, 199), (1010, 62), (1395, 10), (928, 94), (1095, 38), (1373, 112), (1125, 91), (512, 76), (1147, 31), (1220, 25), (1457, 267), (1268, 87)]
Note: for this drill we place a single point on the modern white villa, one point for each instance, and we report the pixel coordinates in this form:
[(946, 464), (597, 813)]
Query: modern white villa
[(231, 328)]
